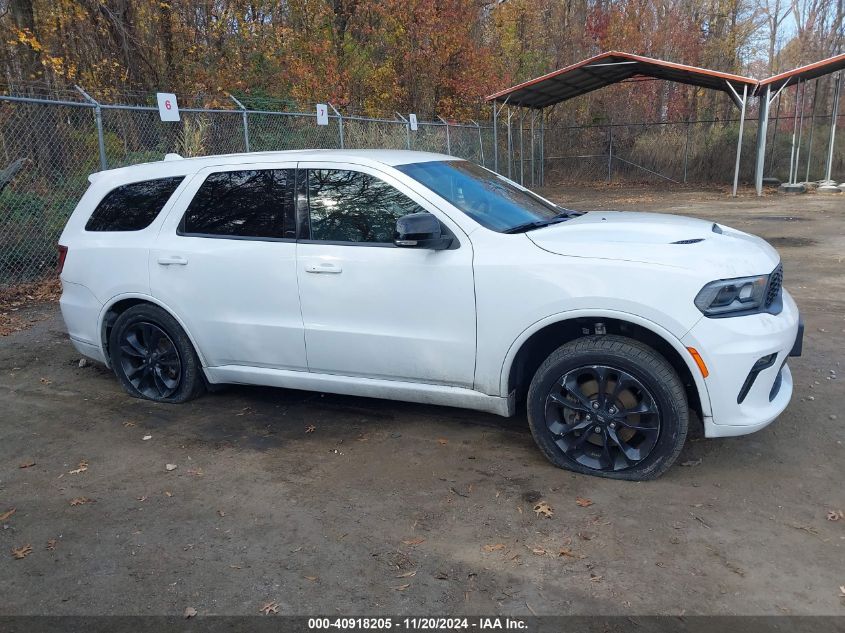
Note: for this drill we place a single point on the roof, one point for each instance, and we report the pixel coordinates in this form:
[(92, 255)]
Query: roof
[(804, 73), (611, 68), (176, 166)]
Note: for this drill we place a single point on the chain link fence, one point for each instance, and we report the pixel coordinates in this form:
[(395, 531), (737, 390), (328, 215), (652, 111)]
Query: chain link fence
[(49, 147)]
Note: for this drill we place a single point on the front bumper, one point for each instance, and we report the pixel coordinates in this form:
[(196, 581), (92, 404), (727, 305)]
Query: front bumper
[(730, 348)]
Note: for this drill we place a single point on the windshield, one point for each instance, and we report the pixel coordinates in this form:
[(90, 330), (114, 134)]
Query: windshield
[(486, 197)]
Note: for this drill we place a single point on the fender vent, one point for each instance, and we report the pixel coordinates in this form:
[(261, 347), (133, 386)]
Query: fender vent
[(692, 241)]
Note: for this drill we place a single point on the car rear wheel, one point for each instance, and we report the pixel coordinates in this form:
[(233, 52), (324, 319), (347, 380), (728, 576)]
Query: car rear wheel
[(608, 406), (153, 357)]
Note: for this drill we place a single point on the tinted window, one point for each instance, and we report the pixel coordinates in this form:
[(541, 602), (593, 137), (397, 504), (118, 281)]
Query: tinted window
[(254, 203), (132, 207), (487, 198), (348, 206)]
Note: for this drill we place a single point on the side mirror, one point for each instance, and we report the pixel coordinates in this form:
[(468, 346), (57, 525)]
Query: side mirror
[(420, 230)]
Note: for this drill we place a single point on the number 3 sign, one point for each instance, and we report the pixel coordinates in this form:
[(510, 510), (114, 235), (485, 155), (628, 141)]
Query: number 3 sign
[(168, 109)]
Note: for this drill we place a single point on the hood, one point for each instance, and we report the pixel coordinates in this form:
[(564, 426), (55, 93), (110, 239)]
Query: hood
[(657, 238)]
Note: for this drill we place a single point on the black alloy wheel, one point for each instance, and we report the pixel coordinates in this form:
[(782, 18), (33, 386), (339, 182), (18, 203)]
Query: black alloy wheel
[(602, 417), (150, 360)]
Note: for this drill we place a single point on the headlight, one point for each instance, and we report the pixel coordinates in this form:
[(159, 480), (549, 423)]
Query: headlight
[(745, 294)]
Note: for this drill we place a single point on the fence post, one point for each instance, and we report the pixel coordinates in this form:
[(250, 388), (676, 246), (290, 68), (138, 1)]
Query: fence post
[(510, 144), (339, 125), (609, 151), (480, 140), (244, 119), (448, 140), (407, 130), (98, 117), (686, 151)]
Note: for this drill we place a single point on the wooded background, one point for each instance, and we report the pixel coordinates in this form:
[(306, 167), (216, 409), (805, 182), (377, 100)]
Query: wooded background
[(374, 57)]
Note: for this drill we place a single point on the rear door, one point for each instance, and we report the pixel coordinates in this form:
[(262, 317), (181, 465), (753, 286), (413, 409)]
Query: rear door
[(225, 263), (372, 309)]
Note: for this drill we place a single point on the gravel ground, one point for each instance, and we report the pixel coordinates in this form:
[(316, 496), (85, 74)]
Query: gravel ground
[(338, 505)]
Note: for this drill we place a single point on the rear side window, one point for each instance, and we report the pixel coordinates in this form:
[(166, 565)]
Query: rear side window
[(132, 207), (250, 203)]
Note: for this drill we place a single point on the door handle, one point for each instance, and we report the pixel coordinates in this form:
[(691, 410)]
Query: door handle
[(323, 267), (172, 260)]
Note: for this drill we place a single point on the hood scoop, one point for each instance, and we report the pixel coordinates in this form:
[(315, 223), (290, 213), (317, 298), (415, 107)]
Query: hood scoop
[(695, 240)]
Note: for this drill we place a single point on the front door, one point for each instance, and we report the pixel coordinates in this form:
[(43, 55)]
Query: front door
[(225, 263), (371, 309)]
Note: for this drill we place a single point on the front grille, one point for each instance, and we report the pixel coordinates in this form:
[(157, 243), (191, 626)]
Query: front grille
[(775, 283)]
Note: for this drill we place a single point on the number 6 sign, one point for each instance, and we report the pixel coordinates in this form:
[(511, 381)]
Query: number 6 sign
[(168, 109)]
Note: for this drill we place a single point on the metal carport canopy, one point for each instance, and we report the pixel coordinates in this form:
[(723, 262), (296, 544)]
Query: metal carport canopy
[(610, 68), (769, 89)]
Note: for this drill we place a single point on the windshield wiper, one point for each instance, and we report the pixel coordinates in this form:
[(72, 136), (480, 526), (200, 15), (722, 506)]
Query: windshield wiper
[(536, 224)]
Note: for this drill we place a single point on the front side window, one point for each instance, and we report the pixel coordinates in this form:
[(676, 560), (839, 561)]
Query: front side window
[(255, 203), (350, 206), (132, 207), (486, 197)]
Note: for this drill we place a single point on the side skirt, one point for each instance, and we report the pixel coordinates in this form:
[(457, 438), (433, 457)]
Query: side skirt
[(366, 387)]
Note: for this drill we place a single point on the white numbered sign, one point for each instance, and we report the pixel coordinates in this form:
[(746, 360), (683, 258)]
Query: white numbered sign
[(322, 114), (413, 119), (168, 109)]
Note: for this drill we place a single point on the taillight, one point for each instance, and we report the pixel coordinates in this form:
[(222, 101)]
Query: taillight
[(62, 257)]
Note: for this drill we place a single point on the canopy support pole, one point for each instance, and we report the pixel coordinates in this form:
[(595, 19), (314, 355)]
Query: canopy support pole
[(812, 128), (800, 132), (741, 103), (833, 116), (762, 125)]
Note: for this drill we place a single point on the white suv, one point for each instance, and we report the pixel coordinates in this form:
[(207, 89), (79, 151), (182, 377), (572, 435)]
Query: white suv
[(421, 277)]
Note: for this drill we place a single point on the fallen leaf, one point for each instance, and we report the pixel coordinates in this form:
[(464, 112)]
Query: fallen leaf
[(402, 587), (692, 462), (144, 498), (145, 438), (310, 428), (595, 578), (78, 501), (169, 467), (26, 465), (190, 612), (538, 551), (586, 536), (584, 503), (442, 441), (128, 425), (83, 466), (270, 607), (311, 578), (408, 574), (167, 493), (543, 508), (22, 552), (493, 547), (834, 515), (221, 513), (196, 472), (245, 411), (842, 591), (414, 541), (51, 544), (7, 514), (46, 381)]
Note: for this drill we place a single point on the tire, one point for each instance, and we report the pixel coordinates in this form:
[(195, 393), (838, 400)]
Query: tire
[(153, 357), (633, 428)]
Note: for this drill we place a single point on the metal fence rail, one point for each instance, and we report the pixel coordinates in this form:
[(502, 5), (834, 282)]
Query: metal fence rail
[(49, 147)]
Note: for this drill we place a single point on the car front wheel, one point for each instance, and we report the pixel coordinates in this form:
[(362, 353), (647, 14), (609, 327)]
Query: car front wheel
[(153, 357), (608, 406)]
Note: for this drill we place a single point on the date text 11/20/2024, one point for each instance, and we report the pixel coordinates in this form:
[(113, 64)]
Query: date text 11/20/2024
[(419, 623)]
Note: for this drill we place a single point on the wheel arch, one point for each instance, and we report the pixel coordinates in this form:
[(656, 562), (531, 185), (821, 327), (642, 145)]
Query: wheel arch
[(534, 345), (118, 304)]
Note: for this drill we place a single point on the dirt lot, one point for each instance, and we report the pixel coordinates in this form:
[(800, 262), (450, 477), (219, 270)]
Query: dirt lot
[(397, 508)]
